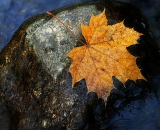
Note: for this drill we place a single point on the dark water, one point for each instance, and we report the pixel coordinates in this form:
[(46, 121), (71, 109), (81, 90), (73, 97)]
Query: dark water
[(144, 112), (14, 12)]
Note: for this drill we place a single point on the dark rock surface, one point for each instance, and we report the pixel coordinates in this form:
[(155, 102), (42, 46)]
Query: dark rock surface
[(150, 9), (36, 88)]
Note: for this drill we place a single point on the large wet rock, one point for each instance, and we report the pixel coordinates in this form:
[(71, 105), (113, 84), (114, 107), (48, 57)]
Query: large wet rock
[(36, 87)]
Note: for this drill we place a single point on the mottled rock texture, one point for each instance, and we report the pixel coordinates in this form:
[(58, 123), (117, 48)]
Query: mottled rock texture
[(36, 87)]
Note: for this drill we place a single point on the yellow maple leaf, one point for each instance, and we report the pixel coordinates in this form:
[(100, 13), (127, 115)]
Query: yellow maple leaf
[(104, 55)]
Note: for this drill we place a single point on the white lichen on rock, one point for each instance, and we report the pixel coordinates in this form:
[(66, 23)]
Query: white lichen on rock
[(52, 41)]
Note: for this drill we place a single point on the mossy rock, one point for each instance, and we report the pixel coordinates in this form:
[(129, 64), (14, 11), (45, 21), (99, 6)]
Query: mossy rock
[(36, 87)]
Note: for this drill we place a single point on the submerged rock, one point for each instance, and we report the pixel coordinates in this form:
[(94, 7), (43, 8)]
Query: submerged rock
[(36, 87)]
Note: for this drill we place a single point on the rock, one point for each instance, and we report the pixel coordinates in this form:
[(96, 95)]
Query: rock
[(36, 87)]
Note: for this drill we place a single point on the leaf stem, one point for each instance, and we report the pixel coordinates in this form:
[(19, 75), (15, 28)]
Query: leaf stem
[(65, 27)]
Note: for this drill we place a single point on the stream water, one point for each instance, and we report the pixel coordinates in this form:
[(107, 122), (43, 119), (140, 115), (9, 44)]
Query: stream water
[(14, 12)]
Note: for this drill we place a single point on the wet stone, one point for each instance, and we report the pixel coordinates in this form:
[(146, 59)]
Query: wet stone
[(35, 85), (51, 41)]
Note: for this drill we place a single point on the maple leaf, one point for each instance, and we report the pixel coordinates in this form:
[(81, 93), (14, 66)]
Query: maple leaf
[(104, 55)]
